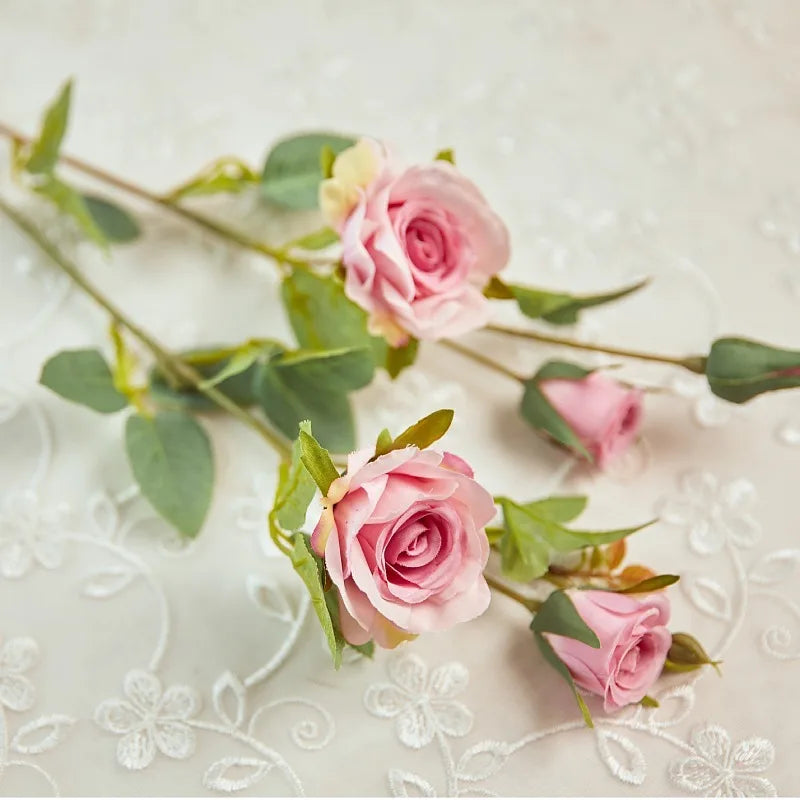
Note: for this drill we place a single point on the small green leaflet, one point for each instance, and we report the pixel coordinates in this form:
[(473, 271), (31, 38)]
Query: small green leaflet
[(559, 616), (650, 584), (312, 572), (317, 461), (115, 223), (292, 172), (83, 376), (383, 443), (295, 490), (446, 155), (44, 151), (422, 433), (239, 387), (557, 308), (172, 461), (227, 175), (649, 702), (316, 240), (241, 360), (398, 358), (71, 203), (531, 537), (564, 370)]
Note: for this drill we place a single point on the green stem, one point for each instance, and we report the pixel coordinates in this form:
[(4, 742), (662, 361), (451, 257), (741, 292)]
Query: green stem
[(695, 364), (277, 254), (503, 588), (481, 359), (171, 364)]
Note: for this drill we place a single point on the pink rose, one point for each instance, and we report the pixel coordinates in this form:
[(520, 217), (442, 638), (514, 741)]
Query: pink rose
[(419, 244), (402, 539), (604, 415), (633, 645)]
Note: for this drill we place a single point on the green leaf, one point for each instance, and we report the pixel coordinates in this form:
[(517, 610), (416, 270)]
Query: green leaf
[(497, 290), (323, 318), (650, 584), (384, 442), (84, 377), (425, 432), (115, 223), (559, 616), (532, 538), (563, 370), (341, 370), (292, 172), (560, 308), (209, 362), (649, 702), (241, 360), (560, 667), (446, 155), (398, 358), (71, 203), (172, 461), (317, 240), (740, 369), (367, 649), (327, 156), (312, 572), (560, 508), (538, 412), (228, 175), (295, 490), (44, 152), (314, 386), (317, 461)]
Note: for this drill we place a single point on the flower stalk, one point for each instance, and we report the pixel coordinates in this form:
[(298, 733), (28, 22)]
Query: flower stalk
[(174, 367), (277, 254), (696, 364)]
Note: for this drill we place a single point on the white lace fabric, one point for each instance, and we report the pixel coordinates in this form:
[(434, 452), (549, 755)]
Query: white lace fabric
[(616, 139)]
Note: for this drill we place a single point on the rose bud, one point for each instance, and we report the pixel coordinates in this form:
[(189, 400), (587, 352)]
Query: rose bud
[(603, 415), (419, 244), (403, 540), (739, 369), (634, 642)]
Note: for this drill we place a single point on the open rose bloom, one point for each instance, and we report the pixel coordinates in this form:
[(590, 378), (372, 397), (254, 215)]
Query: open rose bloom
[(634, 643), (419, 244), (403, 540)]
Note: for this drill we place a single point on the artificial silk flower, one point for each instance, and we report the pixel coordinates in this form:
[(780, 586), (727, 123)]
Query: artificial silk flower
[(402, 538), (605, 415), (634, 642), (419, 244)]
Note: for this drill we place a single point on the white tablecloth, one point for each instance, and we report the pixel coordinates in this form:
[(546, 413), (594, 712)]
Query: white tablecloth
[(616, 139)]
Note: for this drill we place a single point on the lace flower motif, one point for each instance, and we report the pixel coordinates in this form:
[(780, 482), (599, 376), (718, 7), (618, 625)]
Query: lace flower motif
[(29, 535), (721, 770), (421, 704), (712, 513), (17, 657), (149, 719)]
